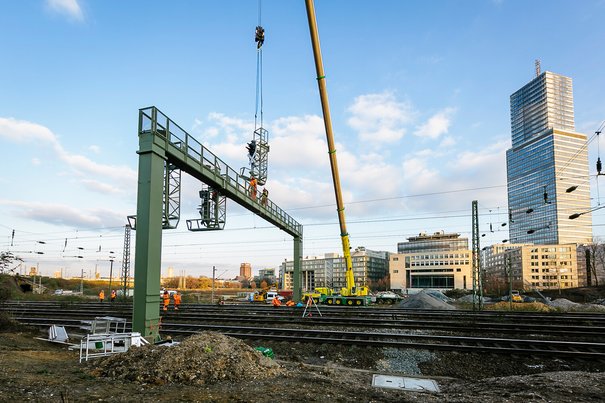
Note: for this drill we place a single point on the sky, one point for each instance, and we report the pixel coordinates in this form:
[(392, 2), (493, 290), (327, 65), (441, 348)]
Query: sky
[(419, 97)]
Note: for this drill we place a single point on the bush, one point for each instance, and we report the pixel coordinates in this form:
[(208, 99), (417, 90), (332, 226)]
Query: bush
[(456, 293)]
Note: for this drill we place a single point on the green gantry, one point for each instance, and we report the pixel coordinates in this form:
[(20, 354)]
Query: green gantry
[(163, 148)]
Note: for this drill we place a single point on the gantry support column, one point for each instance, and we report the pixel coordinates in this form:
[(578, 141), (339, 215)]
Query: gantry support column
[(297, 289), (148, 251)]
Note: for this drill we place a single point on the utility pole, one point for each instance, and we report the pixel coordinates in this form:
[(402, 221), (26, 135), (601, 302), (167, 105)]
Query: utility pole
[(213, 274), (82, 282), (110, 272), (477, 283), (510, 284)]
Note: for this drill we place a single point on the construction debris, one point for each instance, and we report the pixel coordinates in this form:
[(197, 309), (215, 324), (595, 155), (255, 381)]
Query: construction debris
[(423, 300), (205, 358)]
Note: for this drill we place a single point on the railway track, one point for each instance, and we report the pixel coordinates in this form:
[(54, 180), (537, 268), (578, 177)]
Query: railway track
[(573, 336)]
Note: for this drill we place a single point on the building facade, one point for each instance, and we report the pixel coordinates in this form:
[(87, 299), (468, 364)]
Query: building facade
[(268, 275), (527, 267), (546, 160), (369, 267), (441, 261), (245, 270)]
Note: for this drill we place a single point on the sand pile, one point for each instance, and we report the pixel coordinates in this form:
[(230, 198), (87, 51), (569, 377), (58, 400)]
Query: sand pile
[(205, 358), (422, 300)]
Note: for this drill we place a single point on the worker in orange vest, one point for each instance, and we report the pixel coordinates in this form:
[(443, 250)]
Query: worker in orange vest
[(113, 295), (166, 298), (177, 300), (276, 302), (101, 295), (253, 183)]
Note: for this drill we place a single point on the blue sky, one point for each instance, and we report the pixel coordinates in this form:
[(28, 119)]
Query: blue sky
[(419, 93)]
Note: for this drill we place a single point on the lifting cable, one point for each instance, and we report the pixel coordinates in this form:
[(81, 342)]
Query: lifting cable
[(259, 38)]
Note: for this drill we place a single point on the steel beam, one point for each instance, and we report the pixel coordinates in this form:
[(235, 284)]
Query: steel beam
[(148, 249)]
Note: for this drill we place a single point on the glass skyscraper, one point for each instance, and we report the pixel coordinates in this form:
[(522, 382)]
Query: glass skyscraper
[(546, 159)]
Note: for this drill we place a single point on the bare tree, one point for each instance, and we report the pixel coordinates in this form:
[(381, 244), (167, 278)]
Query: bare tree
[(596, 263), (7, 260)]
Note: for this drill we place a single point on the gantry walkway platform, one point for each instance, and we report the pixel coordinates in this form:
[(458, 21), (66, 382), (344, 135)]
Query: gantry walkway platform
[(189, 155)]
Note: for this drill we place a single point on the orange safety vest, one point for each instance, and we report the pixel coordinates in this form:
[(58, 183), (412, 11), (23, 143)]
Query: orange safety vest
[(177, 299), (113, 295), (101, 295), (276, 301), (166, 298)]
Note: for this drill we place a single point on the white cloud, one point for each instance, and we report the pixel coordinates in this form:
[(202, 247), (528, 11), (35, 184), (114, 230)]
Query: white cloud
[(298, 143), (437, 124), (493, 155), (95, 149), (100, 187), (21, 131), (65, 215), (36, 161), (70, 8), (380, 117), (447, 142)]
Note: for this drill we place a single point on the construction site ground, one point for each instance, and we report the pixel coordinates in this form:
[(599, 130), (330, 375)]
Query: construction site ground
[(223, 370), (215, 368)]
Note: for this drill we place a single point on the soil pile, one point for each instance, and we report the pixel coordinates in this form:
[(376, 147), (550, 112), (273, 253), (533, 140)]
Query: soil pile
[(422, 300), (564, 304), (206, 358)]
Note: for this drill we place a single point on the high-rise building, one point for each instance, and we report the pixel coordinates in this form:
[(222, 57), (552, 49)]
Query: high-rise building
[(245, 270), (547, 159)]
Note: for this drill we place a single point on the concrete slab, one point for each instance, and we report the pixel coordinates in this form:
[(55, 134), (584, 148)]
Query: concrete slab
[(404, 383)]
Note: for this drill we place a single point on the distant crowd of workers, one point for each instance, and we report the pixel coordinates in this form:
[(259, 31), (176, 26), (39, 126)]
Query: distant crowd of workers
[(165, 298), (177, 300), (112, 296), (276, 302)]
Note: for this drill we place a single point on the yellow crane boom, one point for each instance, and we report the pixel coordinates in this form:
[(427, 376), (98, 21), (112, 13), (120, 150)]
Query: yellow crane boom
[(351, 289)]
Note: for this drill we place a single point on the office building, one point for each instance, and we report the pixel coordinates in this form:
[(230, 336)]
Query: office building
[(546, 160), (440, 260), (527, 267), (370, 268)]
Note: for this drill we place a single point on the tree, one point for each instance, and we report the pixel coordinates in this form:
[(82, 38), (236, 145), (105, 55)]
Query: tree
[(7, 261), (596, 262)]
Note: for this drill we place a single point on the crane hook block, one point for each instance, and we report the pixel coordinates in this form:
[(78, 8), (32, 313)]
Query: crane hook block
[(599, 166), (259, 36)]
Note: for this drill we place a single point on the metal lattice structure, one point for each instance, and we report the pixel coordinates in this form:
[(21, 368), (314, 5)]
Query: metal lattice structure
[(126, 260), (259, 164), (477, 275), (213, 211), (258, 154), (172, 196)]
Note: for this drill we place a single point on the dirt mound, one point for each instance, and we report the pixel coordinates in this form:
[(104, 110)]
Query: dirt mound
[(205, 358), (517, 306), (563, 304), (422, 300)]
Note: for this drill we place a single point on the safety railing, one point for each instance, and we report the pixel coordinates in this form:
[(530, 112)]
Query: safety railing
[(152, 120)]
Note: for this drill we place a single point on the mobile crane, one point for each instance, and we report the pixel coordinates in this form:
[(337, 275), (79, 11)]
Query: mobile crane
[(351, 294)]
